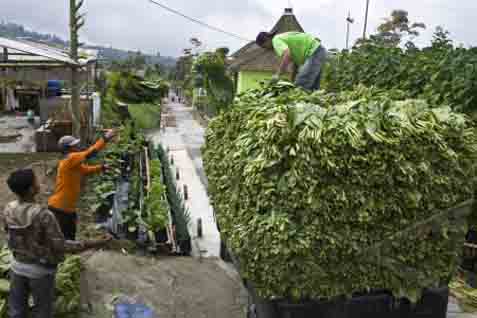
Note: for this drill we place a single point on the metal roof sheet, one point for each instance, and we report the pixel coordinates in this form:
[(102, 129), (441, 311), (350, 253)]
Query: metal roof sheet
[(37, 49)]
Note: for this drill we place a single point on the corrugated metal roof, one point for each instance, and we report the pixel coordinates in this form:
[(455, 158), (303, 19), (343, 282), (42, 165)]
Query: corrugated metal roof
[(37, 49)]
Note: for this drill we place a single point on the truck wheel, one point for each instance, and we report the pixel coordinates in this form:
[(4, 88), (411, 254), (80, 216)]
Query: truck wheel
[(251, 311)]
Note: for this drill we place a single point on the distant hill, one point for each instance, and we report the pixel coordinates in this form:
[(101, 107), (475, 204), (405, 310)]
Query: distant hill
[(13, 30)]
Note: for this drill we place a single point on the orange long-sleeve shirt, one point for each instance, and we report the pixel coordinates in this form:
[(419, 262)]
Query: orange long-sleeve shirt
[(68, 181)]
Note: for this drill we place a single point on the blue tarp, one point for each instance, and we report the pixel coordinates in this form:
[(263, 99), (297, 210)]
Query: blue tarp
[(126, 310)]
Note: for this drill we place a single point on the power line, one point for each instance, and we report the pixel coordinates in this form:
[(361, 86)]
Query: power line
[(163, 6)]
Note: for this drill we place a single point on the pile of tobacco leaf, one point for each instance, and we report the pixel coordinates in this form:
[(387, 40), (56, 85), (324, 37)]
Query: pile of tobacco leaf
[(303, 183)]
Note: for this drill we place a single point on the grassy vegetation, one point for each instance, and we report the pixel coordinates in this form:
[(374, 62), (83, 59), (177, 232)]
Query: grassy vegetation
[(146, 116)]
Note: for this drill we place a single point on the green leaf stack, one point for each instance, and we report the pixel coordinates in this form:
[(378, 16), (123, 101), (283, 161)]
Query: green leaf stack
[(302, 183)]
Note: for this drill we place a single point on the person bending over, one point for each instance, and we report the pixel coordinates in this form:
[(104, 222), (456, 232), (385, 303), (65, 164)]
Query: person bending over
[(302, 50)]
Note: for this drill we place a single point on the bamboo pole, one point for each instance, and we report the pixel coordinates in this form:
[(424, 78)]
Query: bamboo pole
[(75, 25)]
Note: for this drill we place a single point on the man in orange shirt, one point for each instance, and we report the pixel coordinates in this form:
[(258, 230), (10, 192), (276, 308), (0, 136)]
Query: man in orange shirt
[(71, 170)]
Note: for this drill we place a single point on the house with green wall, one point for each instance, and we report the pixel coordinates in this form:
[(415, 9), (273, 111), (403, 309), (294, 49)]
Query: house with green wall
[(253, 64)]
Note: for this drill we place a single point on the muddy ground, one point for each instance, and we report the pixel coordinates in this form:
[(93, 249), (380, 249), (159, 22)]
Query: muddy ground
[(17, 135), (175, 287)]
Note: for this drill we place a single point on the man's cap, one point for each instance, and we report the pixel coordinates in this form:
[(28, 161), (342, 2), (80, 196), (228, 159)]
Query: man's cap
[(66, 142)]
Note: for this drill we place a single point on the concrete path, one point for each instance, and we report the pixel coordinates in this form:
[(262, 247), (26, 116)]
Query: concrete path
[(184, 136)]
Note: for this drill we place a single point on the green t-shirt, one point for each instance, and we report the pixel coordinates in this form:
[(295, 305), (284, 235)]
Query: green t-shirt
[(301, 45)]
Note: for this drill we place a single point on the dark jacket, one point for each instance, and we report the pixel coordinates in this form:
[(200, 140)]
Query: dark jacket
[(34, 235)]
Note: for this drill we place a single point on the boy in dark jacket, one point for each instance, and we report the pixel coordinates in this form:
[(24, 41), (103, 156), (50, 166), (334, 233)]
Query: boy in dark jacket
[(38, 246)]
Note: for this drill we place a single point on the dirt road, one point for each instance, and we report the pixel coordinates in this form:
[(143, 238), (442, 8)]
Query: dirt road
[(175, 287)]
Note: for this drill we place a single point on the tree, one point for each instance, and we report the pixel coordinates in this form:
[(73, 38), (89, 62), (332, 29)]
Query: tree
[(396, 28), (223, 51), (441, 39), (139, 60), (158, 68), (196, 44), (183, 67)]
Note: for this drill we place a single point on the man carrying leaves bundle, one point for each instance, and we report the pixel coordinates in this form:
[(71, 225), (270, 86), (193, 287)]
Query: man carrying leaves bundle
[(303, 50), (38, 246), (71, 170)]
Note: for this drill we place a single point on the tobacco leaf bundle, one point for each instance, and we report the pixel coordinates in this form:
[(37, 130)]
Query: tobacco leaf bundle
[(303, 183)]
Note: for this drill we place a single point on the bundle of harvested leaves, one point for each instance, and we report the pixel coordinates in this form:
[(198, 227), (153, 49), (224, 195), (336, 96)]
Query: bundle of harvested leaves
[(68, 300), (302, 184), (466, 295)]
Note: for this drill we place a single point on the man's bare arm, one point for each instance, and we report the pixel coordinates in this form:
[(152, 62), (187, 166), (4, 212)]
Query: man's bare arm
[(286, 60)]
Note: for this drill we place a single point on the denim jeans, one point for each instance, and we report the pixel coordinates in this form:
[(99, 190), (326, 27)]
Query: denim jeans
[(309, 75), (42, 290)]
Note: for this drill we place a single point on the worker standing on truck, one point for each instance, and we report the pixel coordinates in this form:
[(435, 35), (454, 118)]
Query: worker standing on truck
[(71, 170), (38, 246), (302, 50)]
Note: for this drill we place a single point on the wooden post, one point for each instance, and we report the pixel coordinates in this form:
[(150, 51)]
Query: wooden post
[(76, 22), (4, 82)]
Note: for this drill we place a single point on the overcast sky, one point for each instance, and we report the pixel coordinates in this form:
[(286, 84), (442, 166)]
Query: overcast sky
[(138, 24)]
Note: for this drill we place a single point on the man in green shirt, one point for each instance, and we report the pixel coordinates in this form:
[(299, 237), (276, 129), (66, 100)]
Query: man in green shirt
[(303, 50)]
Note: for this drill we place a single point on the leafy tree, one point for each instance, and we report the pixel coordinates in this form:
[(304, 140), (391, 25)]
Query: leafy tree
[(441, 39), (396, 28), (158, 68), (211, 73), (139, 61), (223, 51)]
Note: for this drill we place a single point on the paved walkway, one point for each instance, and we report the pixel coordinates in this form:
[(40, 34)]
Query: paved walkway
[(184, 136)]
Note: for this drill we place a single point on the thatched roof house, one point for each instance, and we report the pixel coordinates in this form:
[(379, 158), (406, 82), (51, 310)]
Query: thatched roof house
[(253, 64)]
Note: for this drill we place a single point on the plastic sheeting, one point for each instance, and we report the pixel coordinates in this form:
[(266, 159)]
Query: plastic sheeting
[(127, 310)]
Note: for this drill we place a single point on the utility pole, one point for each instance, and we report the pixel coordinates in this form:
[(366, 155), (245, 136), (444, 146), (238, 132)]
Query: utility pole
[(4, 82), (366, 19), (349, 21), (76, 22)]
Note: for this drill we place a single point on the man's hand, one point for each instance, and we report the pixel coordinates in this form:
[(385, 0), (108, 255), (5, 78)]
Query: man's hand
[(109, 134)]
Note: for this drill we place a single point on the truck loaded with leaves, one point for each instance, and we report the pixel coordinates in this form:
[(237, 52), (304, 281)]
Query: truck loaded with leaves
[(328, 194)]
